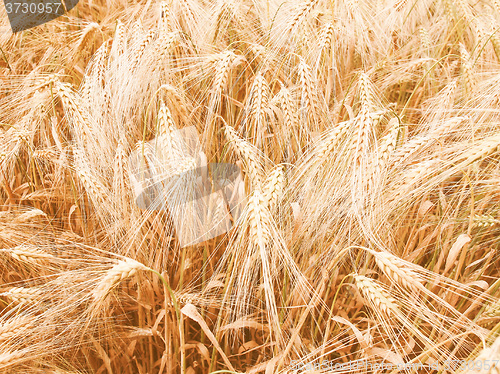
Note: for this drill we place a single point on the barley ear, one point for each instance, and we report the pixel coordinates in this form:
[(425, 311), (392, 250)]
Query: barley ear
[(249, 155), (123, 270), (376, 295), (273, 187)]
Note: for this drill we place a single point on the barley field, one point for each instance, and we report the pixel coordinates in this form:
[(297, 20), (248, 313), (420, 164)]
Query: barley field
[(251, 186)]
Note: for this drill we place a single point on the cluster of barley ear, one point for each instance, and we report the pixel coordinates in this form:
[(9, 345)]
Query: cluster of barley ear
[(360, 224)]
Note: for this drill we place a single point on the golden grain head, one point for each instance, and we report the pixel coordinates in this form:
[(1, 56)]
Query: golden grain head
[(189, 186)]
